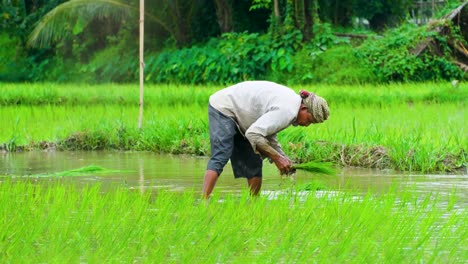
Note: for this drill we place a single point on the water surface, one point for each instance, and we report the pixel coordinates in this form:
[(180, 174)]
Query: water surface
[(152, 171)]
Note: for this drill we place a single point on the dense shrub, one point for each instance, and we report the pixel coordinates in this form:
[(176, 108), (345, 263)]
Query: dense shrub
[(10, 63), (234, 57), (392, 59), (338, 65), (325, 59)]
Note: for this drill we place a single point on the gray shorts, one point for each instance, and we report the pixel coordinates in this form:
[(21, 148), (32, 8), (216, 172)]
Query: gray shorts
[(228, 143)]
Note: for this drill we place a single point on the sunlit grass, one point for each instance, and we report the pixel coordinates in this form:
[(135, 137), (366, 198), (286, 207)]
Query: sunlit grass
[(414, 136), (55, 222), (50, 123), (168, 95), (407, 127), (386, 126)]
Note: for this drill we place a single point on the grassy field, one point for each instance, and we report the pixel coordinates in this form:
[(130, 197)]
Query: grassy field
[(406, 127), (53, 222), (168, 95)]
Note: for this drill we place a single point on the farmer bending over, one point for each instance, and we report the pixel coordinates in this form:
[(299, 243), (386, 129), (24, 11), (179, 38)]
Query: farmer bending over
[(244, 121)]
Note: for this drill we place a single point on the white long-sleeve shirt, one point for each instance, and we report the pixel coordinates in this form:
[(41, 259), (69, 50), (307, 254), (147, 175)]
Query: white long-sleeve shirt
[(261, 109)]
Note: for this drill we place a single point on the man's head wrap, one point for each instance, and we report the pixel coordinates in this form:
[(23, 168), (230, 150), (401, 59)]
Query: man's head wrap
[(316, 105)]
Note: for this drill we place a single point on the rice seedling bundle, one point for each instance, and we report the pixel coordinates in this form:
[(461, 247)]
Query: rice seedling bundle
[(316, 167)]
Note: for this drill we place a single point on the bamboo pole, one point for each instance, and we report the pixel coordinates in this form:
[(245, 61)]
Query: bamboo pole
[(142, 63), (276, 10)]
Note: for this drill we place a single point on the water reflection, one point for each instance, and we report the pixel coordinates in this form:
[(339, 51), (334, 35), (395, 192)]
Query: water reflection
[(148, 170)]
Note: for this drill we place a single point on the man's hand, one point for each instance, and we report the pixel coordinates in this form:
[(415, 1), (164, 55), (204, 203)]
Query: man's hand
[(283, 164)]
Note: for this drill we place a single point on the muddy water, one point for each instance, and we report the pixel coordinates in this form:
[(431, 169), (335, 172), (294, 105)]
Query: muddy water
[(146, 170)]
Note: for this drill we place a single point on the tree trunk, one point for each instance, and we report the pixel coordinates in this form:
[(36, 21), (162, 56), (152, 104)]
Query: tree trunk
[(309, 23), (224, 15), (181, 16), (277, 10), (299, 14), (304, 13), (314, 12)]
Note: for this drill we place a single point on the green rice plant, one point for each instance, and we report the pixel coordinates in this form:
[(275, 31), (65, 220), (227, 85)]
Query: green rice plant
[(87, 170), (106, 94), (429, 138), (316, 167), (173, 95), (377, 137), (314, 185), (11, 145), (53, 221), (383, 127)]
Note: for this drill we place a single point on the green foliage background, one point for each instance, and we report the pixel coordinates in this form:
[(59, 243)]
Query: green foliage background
[(187, 46)]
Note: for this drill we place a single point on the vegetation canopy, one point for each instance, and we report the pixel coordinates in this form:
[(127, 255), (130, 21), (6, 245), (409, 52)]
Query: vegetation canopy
[(219, 42)]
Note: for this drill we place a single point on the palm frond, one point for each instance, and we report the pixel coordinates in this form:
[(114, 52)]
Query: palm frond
[(58, 23)]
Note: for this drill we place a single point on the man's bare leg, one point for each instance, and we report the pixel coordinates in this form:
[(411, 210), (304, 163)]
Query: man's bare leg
[(255, 184), (209, 183)]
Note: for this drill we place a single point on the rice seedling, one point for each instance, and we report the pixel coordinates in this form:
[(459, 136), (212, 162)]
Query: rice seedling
[(56, 222), (316, 167), (408, 127), (379, 130), (170, 95), (87, 170)]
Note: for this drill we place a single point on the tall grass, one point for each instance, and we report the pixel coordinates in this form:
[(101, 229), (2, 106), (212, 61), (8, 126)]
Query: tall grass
[(109, 94), (393, 133), (61, 223), (169, 95), (411, 137)]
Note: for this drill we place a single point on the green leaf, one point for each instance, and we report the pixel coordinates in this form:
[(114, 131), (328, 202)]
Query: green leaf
[(281, 52), (282, 63), (79, 25)]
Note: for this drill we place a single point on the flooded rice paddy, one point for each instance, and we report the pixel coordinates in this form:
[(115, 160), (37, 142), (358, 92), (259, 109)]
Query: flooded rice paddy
[(151, 171)]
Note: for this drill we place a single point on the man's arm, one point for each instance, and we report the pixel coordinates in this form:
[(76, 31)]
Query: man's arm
[(280, 160), (276, 145), (258, 135)]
